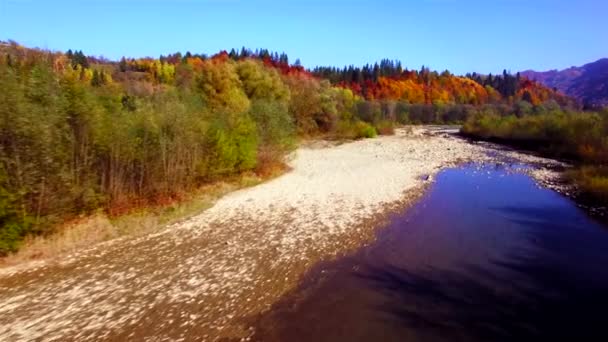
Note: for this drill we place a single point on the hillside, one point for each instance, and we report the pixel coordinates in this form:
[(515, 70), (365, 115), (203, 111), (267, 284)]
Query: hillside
[(81, 134), (588, 83)]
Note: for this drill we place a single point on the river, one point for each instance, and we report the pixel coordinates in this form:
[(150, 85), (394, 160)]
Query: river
[(485, 255)]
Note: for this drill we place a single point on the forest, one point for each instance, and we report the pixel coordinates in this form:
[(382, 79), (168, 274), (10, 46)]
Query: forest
[(80, 134)]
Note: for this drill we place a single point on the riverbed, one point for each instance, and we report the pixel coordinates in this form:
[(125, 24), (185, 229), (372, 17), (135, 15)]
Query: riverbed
[(210, 276)]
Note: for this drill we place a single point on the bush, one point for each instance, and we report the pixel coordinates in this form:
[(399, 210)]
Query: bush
[(385, 127), (233, 147), (582, 137), (364, 130), (592, 181), (355, 130)]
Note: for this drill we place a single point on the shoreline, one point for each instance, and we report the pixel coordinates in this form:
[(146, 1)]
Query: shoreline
[(207, 276)]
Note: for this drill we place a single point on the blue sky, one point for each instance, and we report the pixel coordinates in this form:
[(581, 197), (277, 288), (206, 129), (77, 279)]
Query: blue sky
[(459, 35)]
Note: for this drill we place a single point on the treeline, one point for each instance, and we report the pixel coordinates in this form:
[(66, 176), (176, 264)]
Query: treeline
[(389, 80), (276, 60), (578, 136), (351, 74)]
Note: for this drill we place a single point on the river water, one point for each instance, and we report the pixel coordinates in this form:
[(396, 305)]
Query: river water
[(486, 255)]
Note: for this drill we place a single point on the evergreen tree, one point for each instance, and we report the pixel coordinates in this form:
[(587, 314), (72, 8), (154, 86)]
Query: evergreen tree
[(95, 81), (232, 54), (123, 64)]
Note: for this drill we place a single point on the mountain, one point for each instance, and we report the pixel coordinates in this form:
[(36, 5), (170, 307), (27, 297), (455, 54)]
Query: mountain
[(588, 83)]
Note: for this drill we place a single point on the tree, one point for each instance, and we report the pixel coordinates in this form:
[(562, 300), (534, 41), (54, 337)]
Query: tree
[(527, 96), (13, 225), (96, 80), (78, 59), (260, 82), (122, 65), (304, 102), (221, 88)]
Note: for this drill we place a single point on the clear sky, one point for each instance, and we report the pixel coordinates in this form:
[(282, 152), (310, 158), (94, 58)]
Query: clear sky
[(459, 35)]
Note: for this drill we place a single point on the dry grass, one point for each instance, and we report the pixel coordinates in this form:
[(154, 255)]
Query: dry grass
[(592, 181), (88, 231), (385, 128), (71, 237)]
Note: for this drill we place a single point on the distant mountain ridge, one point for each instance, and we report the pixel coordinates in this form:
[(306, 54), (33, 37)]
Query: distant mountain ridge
[(587, 83)]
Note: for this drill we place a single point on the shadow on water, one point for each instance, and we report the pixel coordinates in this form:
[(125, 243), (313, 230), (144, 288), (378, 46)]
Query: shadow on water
[(538, 271), (535, 298)]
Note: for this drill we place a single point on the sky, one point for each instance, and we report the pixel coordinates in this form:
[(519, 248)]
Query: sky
[(459, 35)]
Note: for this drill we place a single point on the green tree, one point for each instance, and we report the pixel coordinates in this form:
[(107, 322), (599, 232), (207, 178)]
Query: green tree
[(221, 87), (13, 224), (260, 82)]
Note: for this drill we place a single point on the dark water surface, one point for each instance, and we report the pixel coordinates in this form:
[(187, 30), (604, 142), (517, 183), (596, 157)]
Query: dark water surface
[(486, 255)]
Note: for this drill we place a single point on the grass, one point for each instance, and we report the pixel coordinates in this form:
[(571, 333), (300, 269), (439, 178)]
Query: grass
[(100, 227), (592, 181)]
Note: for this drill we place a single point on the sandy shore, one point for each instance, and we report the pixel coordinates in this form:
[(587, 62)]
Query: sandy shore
[(205, 278)]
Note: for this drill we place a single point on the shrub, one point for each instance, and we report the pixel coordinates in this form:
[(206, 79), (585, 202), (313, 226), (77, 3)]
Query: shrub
[(232, 147), (582, 137), (385, 127), (592, 181), (364, 130)]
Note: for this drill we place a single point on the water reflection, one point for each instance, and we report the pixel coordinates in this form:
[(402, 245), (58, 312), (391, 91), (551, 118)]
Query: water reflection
[(486, 256)]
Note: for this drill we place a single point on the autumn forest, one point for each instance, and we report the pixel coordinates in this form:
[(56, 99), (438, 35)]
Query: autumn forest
[(80, 134)]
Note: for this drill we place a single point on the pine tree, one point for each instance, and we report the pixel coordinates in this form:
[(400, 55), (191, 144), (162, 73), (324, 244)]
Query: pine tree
[(122, 65), (96, 80), (82, 59), (232, 54), (244, 52)]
